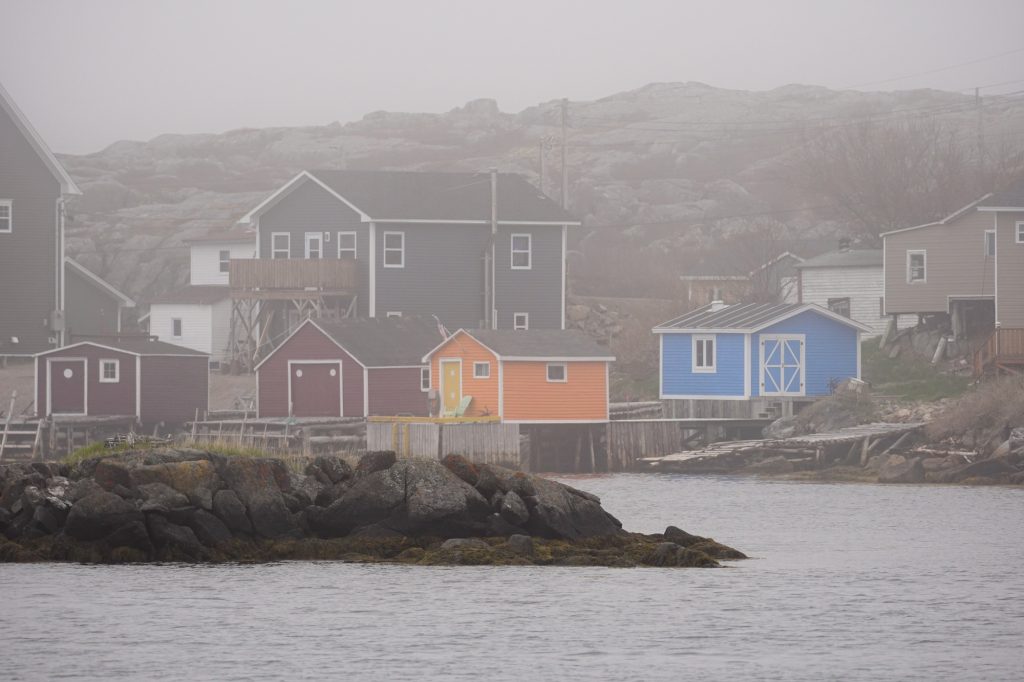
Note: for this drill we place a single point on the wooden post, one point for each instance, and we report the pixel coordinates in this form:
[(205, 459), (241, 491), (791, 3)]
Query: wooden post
[(593, 458), (7, 424), (195, 425), (579, 452)]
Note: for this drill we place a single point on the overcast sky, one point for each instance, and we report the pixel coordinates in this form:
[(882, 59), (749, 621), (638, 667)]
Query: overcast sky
[(90, 73)]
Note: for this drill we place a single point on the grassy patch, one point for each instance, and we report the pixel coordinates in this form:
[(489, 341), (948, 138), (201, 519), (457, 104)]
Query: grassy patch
[(908, 377)]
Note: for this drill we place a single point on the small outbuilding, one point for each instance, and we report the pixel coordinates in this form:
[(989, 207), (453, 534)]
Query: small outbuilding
[(349, 368), (153, 381), (757, 350), (522, 376)]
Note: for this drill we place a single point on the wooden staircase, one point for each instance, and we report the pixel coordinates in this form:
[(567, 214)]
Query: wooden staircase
[(21, 439), (1001, 354)]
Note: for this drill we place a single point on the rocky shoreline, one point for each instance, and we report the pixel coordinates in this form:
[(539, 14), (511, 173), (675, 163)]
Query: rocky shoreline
[(200, 506)]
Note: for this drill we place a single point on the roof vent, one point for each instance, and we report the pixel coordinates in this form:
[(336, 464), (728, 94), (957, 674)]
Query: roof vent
[(717, 305)]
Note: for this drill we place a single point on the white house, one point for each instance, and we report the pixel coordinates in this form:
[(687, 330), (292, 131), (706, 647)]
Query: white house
[(198, 316), (849, 282)]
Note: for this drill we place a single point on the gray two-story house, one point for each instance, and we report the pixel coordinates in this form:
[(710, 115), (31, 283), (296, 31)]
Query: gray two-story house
[(33, 185), (473, 249)]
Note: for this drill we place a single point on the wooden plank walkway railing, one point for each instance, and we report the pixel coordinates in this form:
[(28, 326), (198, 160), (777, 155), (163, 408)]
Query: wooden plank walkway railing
[(293, 274)]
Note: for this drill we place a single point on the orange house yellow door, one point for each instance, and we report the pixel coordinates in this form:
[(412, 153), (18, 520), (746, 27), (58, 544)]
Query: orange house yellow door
[(451, 385)]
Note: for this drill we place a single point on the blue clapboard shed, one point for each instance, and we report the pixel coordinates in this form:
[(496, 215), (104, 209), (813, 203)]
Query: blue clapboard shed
[(753, 351)]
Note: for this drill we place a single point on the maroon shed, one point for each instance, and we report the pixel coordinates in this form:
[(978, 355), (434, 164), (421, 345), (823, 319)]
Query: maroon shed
[(350, 368), (150, 380)]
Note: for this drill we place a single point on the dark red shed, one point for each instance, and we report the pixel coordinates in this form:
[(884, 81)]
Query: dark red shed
[(151, 380), (349, 368)]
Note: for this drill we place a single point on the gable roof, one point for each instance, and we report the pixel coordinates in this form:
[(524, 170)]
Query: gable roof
[(747, 317), (852, 258), (945, 221), (1010, 198), (193, 294), (375, 343), (230, 236), (722, 265), (428, 196), (67, 185), (133, 345), (535, 344), (99, 282)]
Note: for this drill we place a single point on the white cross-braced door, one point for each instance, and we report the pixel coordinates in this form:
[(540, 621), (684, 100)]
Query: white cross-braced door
[(782, 365)]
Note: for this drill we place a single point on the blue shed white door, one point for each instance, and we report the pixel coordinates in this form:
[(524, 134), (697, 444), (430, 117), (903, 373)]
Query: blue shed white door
[(782, 365)]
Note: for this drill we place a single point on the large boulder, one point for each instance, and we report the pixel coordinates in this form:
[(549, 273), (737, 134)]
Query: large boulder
[(112, 472), (210, 530), (171, 536), (899, 469), (413, 497), (513, 509), (256, 483), (996, 468), (196, 479), (375, 461), (556, 511), (98, 515), (231, 511), (462, 467), (333, 469), (159, 497)]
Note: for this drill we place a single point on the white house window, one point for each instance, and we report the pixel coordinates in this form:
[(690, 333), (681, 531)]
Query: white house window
[(176, 327), (704, 349), (557, 372), (394, 314), (424, 379), (917, 266), (990, 243), (224, 258), (521, 321), (110, 371), (1020, 232), (840, 306), (522, 246), (481, 370), (6, 215), (314, 245), (347, 245), (280, 245), (394, 249)]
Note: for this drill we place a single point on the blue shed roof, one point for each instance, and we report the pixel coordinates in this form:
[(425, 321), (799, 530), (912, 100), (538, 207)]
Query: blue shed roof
[(746, 317)]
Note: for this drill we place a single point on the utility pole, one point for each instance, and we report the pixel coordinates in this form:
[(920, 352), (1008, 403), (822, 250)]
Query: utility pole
[(540, 158), (981, 134), (565, 143), (492, 307)]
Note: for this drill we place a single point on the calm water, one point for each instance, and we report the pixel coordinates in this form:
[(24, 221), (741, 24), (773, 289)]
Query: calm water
[(850, 582)]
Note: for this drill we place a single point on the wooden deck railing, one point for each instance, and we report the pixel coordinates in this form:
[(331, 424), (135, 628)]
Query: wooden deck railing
[(293, 274), (1004, 346)]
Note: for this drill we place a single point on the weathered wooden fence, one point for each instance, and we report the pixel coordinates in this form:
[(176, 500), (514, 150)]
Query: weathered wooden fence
[(490, 443), (628, 441)]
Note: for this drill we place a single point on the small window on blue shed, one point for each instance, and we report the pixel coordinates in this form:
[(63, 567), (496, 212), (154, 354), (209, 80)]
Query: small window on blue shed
[(704, 351)]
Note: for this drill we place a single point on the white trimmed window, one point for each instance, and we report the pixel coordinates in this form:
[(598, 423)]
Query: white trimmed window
[(224, 259), (424, 379), (110, 371), (557, 372), (394, 249), (522, 251), (704, 354), (347, 245), (6, 216), (314, 245), (917, 266), (521, 321), (1019, 232), (394, 314), (280, 245), (990, 243), (176, 327), (481, 370)]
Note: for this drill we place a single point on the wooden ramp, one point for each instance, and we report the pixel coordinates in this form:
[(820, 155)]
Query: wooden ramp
[(852, 445)]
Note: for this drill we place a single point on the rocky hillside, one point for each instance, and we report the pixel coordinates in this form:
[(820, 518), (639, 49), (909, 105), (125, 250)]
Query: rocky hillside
[(657, 174)]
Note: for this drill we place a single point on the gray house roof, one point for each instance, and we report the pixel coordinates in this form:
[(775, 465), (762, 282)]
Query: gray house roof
[(853, 258), (194, 294), (383, 342), (429, 196), (746, 317), (136, 345), (1009, 197), (538, 344)]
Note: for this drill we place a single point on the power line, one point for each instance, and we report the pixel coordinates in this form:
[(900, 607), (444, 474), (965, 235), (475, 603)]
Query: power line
[(938, 70)]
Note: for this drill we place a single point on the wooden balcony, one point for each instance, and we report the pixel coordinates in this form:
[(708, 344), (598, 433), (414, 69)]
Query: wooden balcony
[(1003, 353), (284, 278)]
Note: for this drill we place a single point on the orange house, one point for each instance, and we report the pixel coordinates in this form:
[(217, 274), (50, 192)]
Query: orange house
[(522, 376)]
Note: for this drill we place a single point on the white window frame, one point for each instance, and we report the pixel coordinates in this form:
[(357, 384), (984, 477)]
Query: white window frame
[(309, 237), (699, 339), (181, 327), (990, 243), (425, 374), (924, 265), (1018, 232), (274, 250), (525, 324), (513, 251), (117, 371), (9, 205), (393, 314), (224, 264), (479, 368), (354, 249), (565, 372), (391, 249)]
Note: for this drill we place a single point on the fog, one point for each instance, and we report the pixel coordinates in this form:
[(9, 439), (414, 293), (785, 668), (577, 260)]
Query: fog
[(88, 74)]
